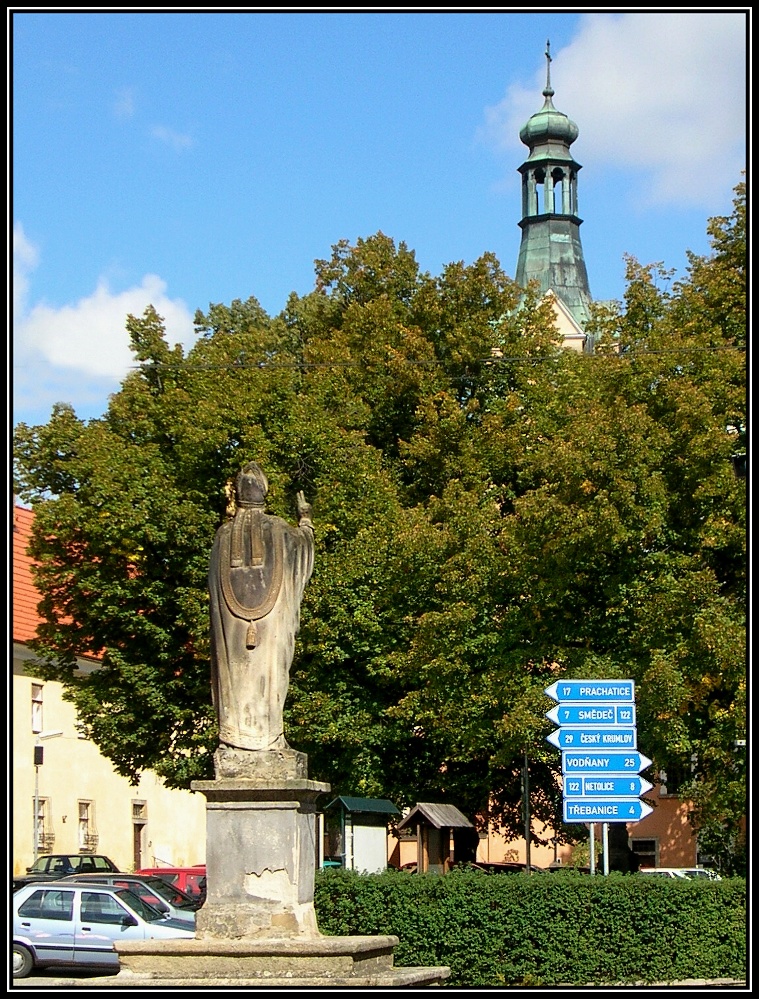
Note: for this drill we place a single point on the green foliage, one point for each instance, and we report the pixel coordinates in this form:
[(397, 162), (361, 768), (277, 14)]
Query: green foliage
[(544, 929), (493, 513)]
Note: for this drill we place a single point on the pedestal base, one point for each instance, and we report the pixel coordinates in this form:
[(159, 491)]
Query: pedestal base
[(315, 962), (260, 858)]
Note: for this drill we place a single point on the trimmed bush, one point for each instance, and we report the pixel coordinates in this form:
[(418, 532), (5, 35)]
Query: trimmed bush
[(544, 928)]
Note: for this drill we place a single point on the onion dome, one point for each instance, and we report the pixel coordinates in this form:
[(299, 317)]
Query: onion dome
[(549, 127)]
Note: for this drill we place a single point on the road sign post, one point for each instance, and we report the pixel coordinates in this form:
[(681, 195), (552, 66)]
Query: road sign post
[(601, 766)]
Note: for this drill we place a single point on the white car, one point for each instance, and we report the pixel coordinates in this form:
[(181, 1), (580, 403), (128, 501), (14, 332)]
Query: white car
[(75, 925), (689, 873), (168, 899)]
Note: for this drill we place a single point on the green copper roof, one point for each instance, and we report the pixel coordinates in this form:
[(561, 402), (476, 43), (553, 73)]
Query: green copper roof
[(551, 250), (549, 126), (380, 805)]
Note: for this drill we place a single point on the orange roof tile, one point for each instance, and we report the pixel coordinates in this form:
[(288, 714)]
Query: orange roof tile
[(25, 594)]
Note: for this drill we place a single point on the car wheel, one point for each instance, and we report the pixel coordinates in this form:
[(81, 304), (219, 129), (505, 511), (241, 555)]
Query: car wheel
[(23, 962)]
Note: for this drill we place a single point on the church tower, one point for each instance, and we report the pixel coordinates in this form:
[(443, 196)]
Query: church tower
[(551, 251)]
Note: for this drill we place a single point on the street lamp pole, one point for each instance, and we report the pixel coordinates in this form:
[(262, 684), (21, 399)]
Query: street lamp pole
[(38, 760), (527, 821), (36, 805)]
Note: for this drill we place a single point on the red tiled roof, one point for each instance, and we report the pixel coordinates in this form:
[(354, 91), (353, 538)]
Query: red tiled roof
[(25, 594)]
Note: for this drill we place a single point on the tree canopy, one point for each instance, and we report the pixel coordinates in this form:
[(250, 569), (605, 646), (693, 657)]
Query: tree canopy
[(493, 512)]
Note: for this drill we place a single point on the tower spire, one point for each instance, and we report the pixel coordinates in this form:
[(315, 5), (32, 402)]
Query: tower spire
[(548, 92), (551, 251)]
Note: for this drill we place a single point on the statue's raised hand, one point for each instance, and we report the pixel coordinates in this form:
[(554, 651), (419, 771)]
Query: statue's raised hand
[(304, 508)]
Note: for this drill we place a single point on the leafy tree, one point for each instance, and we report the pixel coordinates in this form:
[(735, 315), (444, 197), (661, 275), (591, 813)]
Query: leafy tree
[(493, 512)]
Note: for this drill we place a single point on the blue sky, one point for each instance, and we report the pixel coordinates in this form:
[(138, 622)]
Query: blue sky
[(186, 157)]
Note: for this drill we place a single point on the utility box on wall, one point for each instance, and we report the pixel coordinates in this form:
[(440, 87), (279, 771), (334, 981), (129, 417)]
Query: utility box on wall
[(355, 833)]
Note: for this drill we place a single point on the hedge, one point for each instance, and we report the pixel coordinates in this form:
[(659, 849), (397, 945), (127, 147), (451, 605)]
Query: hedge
[(545, 928)]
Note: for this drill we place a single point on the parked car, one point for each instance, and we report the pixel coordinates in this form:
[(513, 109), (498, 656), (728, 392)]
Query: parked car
[(76, 925), (165, 897), (690, 873), (191, 880), (506, 867), (51, 866)]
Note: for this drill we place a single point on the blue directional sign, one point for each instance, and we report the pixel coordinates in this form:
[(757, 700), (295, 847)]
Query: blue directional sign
[(605, 810), (592, 714), (593, 738), (599, 759), (579, 762), (605, 785), (592, 690)]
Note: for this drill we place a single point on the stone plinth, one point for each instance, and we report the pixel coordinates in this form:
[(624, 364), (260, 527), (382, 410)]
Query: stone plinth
[(306, 962), (269, 766), (260, 857)]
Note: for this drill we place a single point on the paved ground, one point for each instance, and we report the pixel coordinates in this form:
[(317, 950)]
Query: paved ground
[(44, 981)]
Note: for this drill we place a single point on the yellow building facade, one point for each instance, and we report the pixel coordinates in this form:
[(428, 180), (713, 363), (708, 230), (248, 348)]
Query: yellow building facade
[(82, 805)]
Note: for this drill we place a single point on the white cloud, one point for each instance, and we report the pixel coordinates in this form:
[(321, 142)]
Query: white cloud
[(90, 335), (25, 259), (81, 350), (665, 92), (176, 140), (124, 105)]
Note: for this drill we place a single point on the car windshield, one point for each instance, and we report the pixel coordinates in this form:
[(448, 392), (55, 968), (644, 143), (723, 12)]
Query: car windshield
[(142, 909), (54, 865), (39, 865), (170, 893)]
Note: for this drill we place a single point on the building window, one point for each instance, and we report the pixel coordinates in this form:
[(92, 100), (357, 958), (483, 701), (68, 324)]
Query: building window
[(36, 707), (43, 830), (139, 831), (88, 837), (674, 778), (39, 823), (647, 851)]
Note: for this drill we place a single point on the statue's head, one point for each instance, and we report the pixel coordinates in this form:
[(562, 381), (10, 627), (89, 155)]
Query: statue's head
[(251, 485)]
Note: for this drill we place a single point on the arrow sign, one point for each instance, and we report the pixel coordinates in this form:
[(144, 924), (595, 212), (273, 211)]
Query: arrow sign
[(605, 785), (606, 810), (603, 763), (592, 714), (592, 690), (595, 738)]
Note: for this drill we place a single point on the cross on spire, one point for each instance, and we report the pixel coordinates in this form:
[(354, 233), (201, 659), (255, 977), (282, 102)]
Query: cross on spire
[(548, 92)]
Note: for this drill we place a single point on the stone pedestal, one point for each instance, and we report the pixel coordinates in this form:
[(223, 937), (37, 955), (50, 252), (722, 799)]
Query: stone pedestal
[(260, 859), (260, 846)]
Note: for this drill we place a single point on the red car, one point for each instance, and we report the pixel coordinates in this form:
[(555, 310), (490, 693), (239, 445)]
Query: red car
[(191, 880)]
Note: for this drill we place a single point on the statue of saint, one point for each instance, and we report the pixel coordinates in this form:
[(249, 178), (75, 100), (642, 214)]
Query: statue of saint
[(259, 568)]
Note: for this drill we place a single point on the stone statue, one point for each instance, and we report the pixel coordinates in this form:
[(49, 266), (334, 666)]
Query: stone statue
[(259, 568)]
